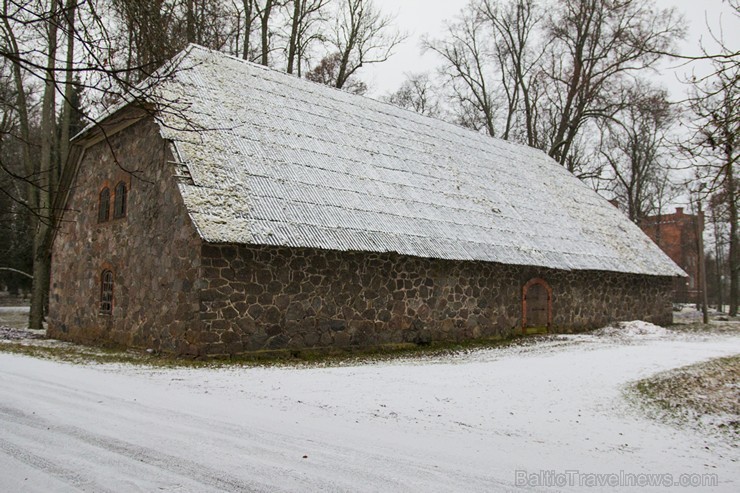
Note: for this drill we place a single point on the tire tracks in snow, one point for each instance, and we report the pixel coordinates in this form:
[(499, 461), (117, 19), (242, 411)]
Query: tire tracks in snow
[(258, 453), (182, 467), (263, 451), (68, 476)]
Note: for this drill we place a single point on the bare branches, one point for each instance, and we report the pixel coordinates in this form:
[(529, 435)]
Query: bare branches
[(518, 56), (327, 73), (10, 269), (715, 124), (539, 77), (466, 53), (306, 19), (362, 35), (635, 147), (418, 93), (595, 46)]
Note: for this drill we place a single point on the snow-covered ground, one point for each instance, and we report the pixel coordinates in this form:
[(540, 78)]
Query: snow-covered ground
[(460, 423)]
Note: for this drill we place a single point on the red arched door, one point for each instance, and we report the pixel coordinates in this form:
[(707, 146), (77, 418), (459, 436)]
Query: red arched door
[(536, 306)]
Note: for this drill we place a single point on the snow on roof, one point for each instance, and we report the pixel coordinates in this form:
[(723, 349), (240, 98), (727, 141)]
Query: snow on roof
[(283, 161)]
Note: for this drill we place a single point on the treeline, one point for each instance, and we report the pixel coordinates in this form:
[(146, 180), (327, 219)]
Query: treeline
[(571, 77)]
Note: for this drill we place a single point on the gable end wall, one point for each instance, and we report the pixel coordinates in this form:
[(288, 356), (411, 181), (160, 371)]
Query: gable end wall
[(154, 252)]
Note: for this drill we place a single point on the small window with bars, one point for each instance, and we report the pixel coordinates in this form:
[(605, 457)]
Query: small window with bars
[(106, 292)]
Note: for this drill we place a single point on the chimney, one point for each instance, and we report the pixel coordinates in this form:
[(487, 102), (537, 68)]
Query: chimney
[(679, 211)]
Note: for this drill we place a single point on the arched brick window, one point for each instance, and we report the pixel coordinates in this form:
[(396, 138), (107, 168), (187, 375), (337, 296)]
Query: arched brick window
[(104, 205), (120, 198), (106, 292)]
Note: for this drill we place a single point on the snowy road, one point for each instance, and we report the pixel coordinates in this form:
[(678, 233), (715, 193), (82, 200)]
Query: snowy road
[(459, 424)]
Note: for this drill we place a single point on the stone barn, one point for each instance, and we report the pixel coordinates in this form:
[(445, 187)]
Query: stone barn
[(251, 210)]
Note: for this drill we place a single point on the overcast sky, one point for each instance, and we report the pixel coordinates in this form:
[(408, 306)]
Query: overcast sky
[(420, 17)]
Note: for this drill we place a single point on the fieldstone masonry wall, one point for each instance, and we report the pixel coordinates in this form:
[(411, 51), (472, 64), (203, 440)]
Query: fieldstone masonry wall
[(256, 298)]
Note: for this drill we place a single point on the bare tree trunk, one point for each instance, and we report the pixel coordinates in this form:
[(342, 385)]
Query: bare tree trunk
[(21, 101), (734, 259), (247, 26), (701, 264), (64, 136), (342, 75), (190, 21), (44, 170), (129, 51), (719, 260), (514, 25), (293, 42), (265, 31), (557, 150)]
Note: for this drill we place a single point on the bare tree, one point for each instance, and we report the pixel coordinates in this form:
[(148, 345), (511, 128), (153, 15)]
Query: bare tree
[(33, 40), (327, 72), (634, 146), (157, 29), (594, 47), (362, 35), (69, 85), (466, 54), (523, 74), (36, 172), (52, 50), (245, 19), (16, 246), (206, 22), (306, 16), (718, 216), (149, 29), (263, 10), (417, 93), (715, 122), (514, 25)]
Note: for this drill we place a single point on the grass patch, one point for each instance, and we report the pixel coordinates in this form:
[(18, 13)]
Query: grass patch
[(73, 353), (79, 354), (705, 395), (389, 352)]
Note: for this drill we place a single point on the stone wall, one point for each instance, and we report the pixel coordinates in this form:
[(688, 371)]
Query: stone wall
[(154, 252), (258, 298)]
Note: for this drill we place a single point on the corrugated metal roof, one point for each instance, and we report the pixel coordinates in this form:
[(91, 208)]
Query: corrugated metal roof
[(283, 161)]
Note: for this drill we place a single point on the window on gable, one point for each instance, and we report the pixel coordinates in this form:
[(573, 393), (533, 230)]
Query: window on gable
[(106, 292), (119, 205), (104, 205)]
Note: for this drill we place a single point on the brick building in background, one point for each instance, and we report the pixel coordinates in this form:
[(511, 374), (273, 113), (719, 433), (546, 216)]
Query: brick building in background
[(676, 235)]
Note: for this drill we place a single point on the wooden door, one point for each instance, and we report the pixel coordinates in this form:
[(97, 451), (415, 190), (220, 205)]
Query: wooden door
[(537, 306)]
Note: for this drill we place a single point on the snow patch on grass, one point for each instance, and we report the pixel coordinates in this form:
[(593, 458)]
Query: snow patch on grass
[(704, 396), (633, 329)]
